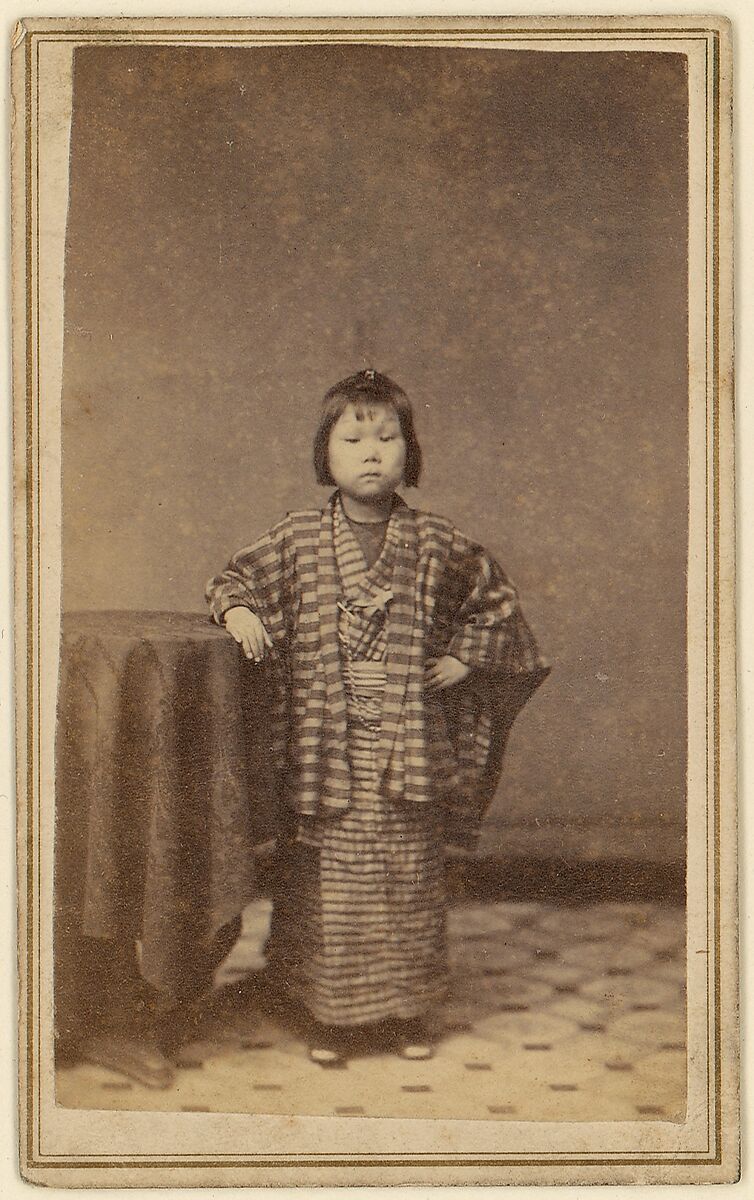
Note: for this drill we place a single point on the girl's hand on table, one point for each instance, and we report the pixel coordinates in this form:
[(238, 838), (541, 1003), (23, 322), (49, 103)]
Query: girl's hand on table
[(444, 672), (245, 626), (265, 849)]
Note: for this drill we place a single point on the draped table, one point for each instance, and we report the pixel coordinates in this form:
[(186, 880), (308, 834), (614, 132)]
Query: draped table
[(163, 791)]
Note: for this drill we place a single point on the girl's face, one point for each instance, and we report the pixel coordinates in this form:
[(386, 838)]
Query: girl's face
[(367, 451)]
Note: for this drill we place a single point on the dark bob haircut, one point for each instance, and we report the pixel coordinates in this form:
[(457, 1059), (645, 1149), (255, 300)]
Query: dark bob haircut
[(365, 390)]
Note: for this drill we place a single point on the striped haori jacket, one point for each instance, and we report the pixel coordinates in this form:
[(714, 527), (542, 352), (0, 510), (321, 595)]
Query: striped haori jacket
[(447, 596)]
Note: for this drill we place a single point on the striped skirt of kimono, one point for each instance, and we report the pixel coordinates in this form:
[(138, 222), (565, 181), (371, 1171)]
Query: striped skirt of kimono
[(358, 928)]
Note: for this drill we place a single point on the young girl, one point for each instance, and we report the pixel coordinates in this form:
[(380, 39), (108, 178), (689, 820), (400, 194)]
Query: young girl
[(399, 658)]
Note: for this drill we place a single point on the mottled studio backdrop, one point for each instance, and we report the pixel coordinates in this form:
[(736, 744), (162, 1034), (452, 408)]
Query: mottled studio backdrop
[(504, 232)]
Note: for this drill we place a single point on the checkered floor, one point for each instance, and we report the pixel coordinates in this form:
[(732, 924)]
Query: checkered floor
[(555, 1013)]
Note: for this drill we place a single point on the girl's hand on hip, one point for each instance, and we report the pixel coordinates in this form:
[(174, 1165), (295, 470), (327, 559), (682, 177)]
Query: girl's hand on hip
[(245, 626), (444, 673)]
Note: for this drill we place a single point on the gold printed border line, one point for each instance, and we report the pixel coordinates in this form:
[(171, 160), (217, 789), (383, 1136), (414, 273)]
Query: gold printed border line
[(378, 29), (303, 35), (32, 902), (308, 35)]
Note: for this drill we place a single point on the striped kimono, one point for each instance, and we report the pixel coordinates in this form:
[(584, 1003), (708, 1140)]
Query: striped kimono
[(374, 774)]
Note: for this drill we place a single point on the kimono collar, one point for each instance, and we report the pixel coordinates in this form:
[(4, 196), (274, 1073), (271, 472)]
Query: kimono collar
[(365, 586), (404, 649), (401, 648)]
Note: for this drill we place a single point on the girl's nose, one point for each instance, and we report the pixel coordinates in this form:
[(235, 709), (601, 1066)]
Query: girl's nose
[(372, 454)]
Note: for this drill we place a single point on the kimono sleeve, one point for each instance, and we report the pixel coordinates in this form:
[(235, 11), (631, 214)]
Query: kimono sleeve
[(488, 626), (488, 631), (260, 577)]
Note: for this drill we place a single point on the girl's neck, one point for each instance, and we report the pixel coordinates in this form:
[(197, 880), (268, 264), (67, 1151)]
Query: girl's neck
[(369, 512)]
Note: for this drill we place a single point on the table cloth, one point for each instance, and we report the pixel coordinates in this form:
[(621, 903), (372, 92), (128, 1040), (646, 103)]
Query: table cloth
[(163, 788)]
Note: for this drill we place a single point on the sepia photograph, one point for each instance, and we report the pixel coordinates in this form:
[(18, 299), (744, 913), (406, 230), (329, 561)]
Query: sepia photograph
[(373, 500)]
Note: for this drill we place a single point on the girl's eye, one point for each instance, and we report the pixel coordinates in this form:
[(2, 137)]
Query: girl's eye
[(353, 440), (390, 437)]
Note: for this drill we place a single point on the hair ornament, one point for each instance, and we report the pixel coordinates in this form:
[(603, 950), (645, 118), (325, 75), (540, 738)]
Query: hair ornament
[(370, 374)]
